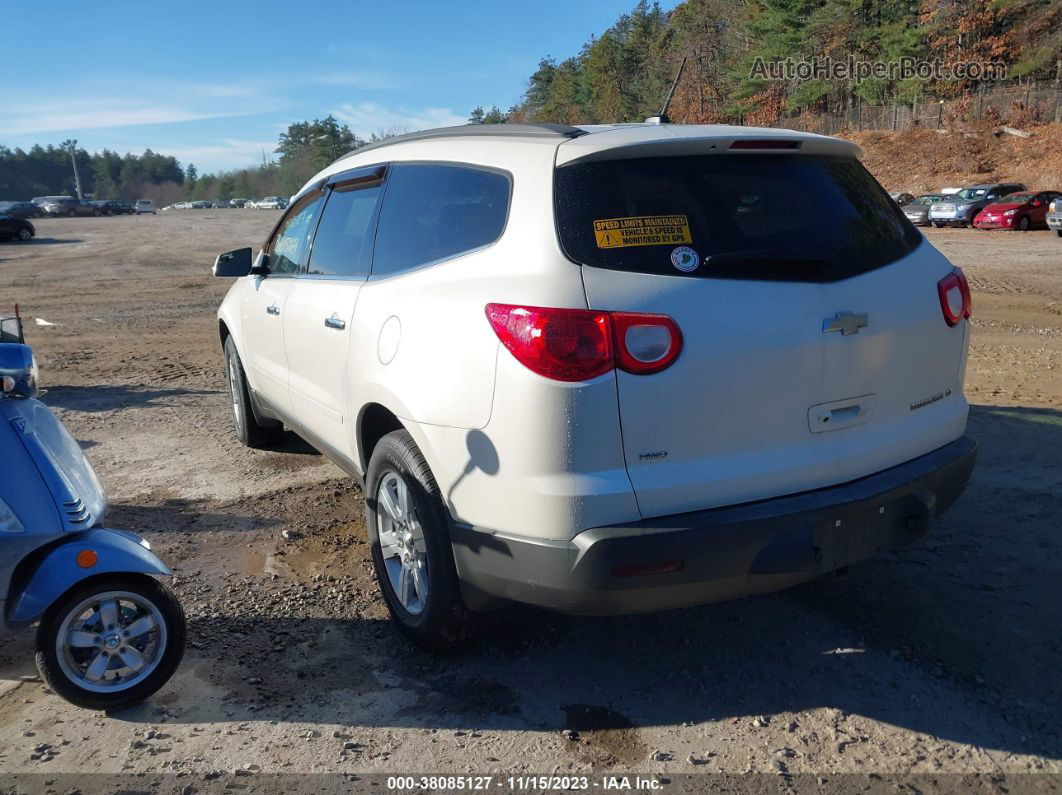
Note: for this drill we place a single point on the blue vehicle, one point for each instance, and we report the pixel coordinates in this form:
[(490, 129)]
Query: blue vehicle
[(109, 633)]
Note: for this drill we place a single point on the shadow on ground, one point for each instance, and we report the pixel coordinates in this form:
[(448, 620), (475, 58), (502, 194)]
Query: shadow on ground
[(102, 397), (46, 241)]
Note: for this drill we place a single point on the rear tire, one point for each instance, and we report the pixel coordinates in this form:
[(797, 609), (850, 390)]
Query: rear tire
[(60, 663), (1058, 232), (24, 234), (248, 429), (433, 615), (936, 225)]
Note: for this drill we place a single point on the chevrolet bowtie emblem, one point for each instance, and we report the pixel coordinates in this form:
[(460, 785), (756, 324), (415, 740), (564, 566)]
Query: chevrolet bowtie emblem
[(844, 322)]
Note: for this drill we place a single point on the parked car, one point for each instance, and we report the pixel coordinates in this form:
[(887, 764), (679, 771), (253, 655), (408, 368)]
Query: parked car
[(144, 206), (961, 208), (1022, 211), (238, 202), (113, 207), (69, 207), (271, 203), (221, 204), (917, 211), (201, 204), (13, 228), (605, 383), (902, 198), (1054, 216), (21, 209)]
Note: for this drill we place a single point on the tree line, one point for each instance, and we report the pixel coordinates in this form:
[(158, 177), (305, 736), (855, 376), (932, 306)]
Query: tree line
[(625, 73), (48, 171), (302, 150)]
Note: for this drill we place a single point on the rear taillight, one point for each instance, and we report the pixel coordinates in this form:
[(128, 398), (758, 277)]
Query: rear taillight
[(580, 344), (644, 343), (955, 300), (563, 344)]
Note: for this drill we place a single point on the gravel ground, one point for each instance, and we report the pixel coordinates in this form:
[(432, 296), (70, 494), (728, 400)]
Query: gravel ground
[(940, 659)]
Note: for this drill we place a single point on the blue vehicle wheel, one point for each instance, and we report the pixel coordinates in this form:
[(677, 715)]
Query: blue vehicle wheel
[(111, 641)]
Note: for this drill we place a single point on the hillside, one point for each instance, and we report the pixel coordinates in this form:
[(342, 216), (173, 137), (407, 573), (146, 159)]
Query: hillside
[(624, 73), (921, 161)]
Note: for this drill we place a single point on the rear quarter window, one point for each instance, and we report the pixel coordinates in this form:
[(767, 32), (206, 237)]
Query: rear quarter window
[(762, 217), (434, 211)]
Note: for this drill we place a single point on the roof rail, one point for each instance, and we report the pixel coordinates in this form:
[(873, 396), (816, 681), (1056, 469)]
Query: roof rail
[(485, 130)]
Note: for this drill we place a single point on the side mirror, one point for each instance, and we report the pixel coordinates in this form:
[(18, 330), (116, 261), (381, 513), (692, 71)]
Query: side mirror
[(18, 371), (233, 263)]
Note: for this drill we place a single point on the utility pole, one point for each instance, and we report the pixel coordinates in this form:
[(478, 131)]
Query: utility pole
[(72, 148)]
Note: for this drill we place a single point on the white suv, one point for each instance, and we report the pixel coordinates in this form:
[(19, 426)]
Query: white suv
[(607, 369)]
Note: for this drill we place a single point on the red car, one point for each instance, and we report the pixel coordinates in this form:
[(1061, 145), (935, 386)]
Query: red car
[(1024, 210)]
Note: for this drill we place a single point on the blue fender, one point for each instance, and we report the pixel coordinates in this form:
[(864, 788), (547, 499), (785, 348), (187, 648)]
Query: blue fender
[(58, 571)]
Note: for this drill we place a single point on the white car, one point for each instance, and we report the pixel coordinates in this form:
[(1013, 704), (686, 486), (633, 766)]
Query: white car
[(607, 369), (271, 203), (144, 206)]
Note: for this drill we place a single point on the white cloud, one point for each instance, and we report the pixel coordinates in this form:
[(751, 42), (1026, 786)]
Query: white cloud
[(223, 155), (81, 115), (365, 118), (373, 80)]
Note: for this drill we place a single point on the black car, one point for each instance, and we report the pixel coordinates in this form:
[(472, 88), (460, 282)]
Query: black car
[(114, 207), (12, 228), (21, 209)]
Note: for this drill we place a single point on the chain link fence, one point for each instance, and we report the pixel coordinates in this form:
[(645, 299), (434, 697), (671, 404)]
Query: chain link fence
[(1010, 105)]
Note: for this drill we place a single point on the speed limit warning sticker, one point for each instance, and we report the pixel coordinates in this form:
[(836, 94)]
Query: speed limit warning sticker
[(642, 230)]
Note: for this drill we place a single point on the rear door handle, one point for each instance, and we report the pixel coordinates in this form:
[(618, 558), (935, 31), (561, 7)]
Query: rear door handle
[(335, 322), (272, 309)]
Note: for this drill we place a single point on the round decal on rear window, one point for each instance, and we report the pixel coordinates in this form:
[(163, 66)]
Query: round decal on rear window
[(685, 259)]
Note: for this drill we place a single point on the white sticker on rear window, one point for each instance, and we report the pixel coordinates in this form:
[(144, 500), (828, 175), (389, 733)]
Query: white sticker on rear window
[(685, 259), (642, 230)]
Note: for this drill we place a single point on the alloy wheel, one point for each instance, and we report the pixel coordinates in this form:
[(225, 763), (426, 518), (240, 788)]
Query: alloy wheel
[(402, 543), (111, 641)]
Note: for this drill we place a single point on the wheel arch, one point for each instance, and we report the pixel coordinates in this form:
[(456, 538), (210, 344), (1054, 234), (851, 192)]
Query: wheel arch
[(374, 422)]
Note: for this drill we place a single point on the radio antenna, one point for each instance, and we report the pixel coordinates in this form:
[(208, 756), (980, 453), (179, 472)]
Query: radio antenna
[(663, 117)]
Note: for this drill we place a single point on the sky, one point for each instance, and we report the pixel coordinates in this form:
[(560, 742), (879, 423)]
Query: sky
[(215, 83)]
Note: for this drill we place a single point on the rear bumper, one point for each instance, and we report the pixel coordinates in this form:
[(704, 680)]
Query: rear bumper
[(720, 553)]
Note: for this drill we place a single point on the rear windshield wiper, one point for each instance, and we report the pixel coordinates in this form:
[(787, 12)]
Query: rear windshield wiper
[(774, 264)]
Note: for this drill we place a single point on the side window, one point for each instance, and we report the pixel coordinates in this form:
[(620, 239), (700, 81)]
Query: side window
[(343, 243), (434, 212), (291, 240)]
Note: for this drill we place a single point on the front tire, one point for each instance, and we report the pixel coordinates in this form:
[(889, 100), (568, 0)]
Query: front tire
[(409, 537), (111, 642), (1024, 223), (248, 429)]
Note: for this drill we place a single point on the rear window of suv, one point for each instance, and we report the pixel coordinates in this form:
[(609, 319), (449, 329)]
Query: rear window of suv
[(806, 218)]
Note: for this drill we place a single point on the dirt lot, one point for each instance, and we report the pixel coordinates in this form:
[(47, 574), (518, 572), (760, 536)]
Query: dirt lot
[(943, 658)]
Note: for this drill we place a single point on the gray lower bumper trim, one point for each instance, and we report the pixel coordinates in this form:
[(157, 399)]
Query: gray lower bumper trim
[(720, 553)]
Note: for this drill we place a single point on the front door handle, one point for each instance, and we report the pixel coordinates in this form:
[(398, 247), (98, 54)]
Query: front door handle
[(335, 322), (272, 309)]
